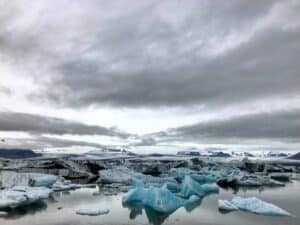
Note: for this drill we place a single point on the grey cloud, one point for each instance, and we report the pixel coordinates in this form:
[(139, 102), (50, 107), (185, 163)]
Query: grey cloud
[(36, 124), (253, 70), (284, 125), (157, 54), (40, 143), (5, 90), (151, 58), (145, 142)]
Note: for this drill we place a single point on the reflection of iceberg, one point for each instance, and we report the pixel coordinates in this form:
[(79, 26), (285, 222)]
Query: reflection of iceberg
[(154, 217), (158, 218), (25, 210), (192, 203), (253, 205)]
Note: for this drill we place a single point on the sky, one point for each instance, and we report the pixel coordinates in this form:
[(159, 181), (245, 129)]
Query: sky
[(151, 75)]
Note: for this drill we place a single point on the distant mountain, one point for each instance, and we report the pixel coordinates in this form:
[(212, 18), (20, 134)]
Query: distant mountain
[(18, 153), (296, 156)]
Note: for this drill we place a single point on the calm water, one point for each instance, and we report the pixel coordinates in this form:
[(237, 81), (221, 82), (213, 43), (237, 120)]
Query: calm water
[(206, 212)]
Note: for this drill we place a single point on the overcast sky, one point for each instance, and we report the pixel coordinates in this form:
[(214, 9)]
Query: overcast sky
[(150, 75)]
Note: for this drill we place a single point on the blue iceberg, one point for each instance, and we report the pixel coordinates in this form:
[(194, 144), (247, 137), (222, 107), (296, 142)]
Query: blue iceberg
[(159, 199), (191, 187)]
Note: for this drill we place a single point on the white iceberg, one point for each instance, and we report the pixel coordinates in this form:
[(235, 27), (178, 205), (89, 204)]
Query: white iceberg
[(226, 205), (252, 204), (63, 185), (22, 195), (92, 211), (11, 199), (10, 179)]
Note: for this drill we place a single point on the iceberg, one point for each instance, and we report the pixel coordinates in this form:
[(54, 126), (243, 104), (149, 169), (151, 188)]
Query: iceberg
[(252, 204), (10, 179), (159, 199), (191, 187), (180, 173), (22, 195), (283, 177), (247, 180), (92, 211), (226, 205), (11, 199), (63, 185)]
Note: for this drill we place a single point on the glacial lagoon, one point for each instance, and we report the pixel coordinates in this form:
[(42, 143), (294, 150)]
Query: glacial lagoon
[(61, 209)]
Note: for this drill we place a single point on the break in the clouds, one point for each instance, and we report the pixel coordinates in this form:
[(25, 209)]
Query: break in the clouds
[(213, 68)]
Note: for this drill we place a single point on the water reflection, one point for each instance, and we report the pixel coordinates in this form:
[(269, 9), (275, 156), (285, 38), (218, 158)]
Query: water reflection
[(21, 211), (240, 189), (154, 217)]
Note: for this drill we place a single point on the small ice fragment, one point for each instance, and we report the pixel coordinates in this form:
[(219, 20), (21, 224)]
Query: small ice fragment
[(92, 211)]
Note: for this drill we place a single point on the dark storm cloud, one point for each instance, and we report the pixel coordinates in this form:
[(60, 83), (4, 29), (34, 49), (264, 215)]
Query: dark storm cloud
[(36, 124), (162, 54), (283, 125)]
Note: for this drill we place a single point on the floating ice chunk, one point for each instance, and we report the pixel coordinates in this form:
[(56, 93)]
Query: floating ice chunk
[(10, 179), (22, 195), (162, 200), (227, 205), (180, 173), (193, 199), (11, 199), (281, 177), (191, 187), (203, 179), (124, 175), (158, 199), (63, 185), (33, 193), (42, 180), (173, 187), (92, 211), (253, 205)]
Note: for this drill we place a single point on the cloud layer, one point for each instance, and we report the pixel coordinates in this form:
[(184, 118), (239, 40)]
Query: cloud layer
[(36, 124), (202, 55)]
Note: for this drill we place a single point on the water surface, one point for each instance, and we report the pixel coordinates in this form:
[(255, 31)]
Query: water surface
[(60, 210)]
